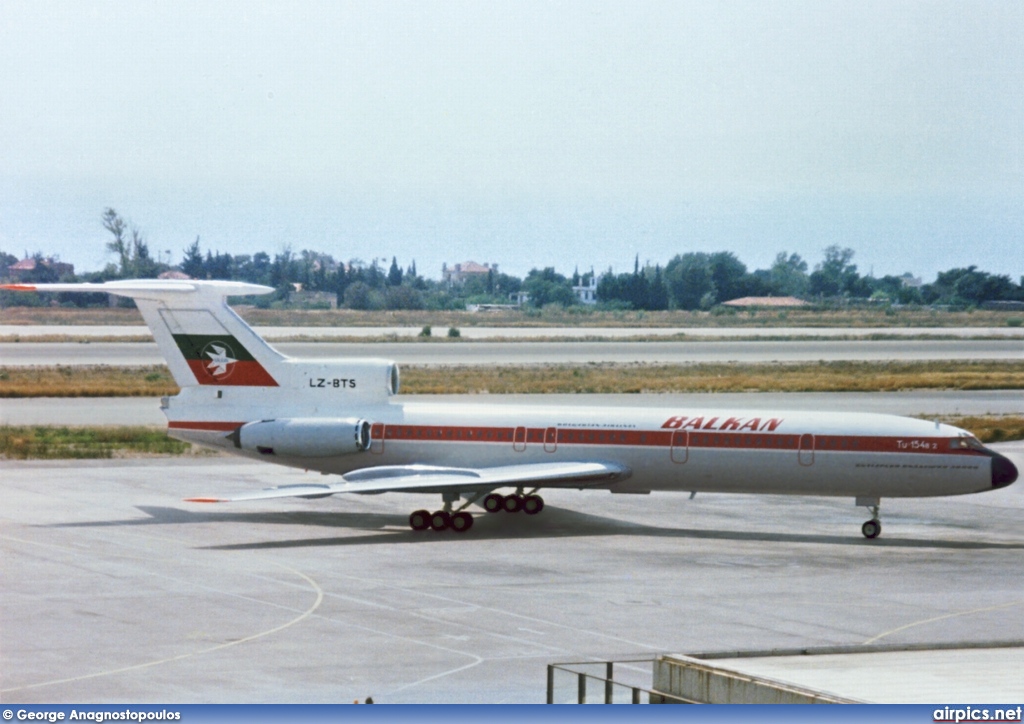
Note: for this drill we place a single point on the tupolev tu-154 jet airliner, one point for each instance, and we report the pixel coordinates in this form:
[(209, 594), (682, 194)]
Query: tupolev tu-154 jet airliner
[(344, 417)]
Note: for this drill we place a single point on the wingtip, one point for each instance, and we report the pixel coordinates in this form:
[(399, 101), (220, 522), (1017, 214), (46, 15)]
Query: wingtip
[(18, 287), (204, 500)]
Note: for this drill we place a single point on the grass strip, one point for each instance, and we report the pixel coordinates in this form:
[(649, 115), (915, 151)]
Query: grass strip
[(604, 378), (771, 377), (86, 381), (42, 442)]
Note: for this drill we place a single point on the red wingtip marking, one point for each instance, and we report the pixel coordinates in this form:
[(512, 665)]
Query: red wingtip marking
[(203, 500), (18, 287)]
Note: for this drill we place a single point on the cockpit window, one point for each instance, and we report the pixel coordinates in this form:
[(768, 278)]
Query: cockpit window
[(966, 442)]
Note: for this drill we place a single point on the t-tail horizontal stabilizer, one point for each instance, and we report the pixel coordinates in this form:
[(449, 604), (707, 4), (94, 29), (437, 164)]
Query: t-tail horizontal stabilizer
[(200, 336)]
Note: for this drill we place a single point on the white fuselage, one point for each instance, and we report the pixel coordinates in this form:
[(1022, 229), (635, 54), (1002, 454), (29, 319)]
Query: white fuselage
[(736, 451)]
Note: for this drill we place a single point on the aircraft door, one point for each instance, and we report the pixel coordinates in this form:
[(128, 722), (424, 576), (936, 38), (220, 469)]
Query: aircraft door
[(805, 456), (519, 439), (377, 431), (680, 446), (551, 439)]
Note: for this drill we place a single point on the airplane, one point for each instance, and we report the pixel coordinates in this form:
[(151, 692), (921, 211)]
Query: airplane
[(346, 418)]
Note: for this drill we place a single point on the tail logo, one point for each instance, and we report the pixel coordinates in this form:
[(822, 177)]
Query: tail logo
[(221, 358)]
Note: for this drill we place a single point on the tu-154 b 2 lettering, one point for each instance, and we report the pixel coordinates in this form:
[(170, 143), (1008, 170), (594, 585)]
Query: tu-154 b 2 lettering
[(345, 418)]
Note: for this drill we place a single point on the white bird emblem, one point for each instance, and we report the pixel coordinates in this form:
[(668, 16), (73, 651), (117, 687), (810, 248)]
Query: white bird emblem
[(219, 360)]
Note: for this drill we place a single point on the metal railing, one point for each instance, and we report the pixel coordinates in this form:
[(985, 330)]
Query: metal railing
[(606, 684)]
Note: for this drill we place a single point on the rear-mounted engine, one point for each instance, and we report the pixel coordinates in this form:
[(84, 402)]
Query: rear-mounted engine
[(304, 437)]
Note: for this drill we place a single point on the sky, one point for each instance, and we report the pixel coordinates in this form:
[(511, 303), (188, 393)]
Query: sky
[(526, 134)]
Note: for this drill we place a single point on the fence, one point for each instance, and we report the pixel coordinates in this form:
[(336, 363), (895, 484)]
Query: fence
[(604, 688)]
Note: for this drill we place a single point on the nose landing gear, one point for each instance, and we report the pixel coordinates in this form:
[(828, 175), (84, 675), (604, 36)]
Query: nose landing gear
[(872, 528)]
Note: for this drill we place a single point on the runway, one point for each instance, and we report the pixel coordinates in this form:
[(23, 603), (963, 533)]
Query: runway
[(146, 411), (116, 591), (490, 353), (27, 331)]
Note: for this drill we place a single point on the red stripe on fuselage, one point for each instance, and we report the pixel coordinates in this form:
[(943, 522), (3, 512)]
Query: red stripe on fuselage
[(205, 426), (571, 437)]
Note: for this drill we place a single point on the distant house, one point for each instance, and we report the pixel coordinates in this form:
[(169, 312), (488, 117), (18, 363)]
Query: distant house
[(908, 280), (587, 293), (459, 273), (774, 302), (173, 274), (312, 300), (29, 268)]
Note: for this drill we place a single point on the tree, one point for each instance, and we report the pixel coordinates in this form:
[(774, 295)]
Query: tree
[(970, 286), (142, 264), (6, 262), (657, 294), (394, 273), (217, 266), (548, 287), (192, 261), (728, 274), (835, 276), (403, 296), (788, 275), (360, 295), (689, 280), (113, 223)]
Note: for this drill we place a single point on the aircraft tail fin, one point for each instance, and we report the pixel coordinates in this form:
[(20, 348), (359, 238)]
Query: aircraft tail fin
[(203, 340)]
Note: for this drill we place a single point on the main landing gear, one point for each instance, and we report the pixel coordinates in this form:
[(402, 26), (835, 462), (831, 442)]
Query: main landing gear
[(460, 521), (441, 520), (529, 504), (872, 528)]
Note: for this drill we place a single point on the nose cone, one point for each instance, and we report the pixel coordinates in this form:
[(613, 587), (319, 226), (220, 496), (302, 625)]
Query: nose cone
[(1004, 472)]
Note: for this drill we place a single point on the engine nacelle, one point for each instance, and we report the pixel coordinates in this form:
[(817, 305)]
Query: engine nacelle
[(314, 437)]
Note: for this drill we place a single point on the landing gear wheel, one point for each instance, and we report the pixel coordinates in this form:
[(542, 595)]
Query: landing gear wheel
[(533, 504), (419, 520), (494, 503), (441, 520), (461, 522), (872, 528), (513, 503)]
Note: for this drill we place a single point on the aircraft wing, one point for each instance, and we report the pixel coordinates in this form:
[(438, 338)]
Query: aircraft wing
[(433, 479)]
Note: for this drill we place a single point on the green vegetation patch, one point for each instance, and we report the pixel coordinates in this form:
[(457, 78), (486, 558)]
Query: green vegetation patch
[(40, 442), (86, 381), (600, 378), (772, 377)]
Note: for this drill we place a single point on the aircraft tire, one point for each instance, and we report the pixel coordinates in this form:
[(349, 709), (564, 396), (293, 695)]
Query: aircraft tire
[(871, 529), (419, 520), (533, 504), (441, 520), (461, 522), (494, 503), (513, 503)]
